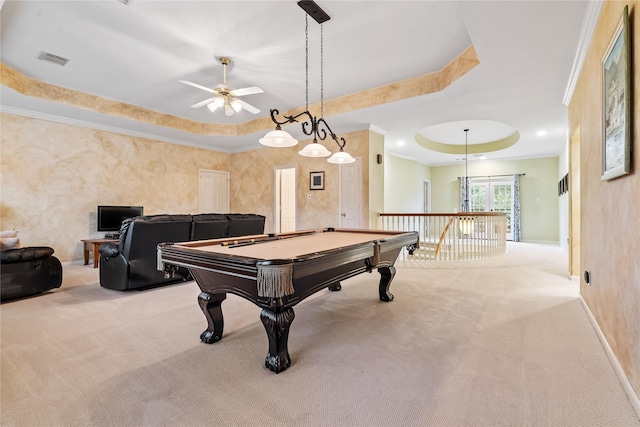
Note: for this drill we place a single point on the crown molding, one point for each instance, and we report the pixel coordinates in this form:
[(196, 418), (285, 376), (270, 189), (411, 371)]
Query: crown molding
[(589, 24), (377, 130)]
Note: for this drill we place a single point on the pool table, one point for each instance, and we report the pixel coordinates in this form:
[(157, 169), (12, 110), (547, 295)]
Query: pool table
[(277, 271)]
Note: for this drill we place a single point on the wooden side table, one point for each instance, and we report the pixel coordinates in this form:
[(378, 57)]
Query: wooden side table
[(93, 245)]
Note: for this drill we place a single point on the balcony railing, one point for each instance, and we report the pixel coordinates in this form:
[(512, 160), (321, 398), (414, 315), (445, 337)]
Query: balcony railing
[(452, 236)]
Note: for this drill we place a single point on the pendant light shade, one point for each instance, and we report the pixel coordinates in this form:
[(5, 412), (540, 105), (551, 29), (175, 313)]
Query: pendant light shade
[(341, 158), (278, 139), (315, 149)]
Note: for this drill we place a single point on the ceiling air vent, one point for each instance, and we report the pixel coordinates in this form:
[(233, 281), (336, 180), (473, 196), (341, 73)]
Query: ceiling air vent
[(54, 59)]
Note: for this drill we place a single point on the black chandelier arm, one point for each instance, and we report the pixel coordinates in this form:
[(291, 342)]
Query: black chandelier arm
[(341, 145), (341, 142), (328, 129), (310, 126), (289, 119), (309, 122)]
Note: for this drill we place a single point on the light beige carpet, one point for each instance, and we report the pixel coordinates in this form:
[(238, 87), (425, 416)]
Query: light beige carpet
[(504, 342)]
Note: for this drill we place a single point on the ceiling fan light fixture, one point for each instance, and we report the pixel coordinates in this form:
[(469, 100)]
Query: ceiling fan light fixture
[(315, 149), (224, 95), (236, 105), (279, 139)]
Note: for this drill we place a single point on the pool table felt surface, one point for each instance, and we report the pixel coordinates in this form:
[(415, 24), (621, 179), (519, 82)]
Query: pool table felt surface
[(292, 247)]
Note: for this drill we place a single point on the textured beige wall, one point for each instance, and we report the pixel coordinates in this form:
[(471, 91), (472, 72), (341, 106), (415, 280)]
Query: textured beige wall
[(610, 220), (54, 175), (253, 177)]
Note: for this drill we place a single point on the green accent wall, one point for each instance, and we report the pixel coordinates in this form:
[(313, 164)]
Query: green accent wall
[(539, 205), (403, 184)]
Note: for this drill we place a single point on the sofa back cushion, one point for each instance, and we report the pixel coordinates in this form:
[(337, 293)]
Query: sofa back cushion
[(30, 253), (245, 224), (209, 226)]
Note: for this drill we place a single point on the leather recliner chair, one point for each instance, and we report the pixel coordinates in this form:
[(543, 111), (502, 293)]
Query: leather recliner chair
[(29, 271), (132, 262)]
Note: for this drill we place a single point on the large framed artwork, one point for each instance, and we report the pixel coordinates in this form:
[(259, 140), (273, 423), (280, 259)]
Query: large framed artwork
[(616, 95)]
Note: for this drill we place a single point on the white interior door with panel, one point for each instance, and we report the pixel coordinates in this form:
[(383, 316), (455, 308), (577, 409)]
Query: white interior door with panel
[(214, 191), (350, 199), (285, 200)]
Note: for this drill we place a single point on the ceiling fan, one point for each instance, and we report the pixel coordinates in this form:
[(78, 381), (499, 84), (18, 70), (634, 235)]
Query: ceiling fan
[(226, 97)]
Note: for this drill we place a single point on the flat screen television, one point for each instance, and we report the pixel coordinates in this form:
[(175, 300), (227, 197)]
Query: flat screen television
[(110, 217)]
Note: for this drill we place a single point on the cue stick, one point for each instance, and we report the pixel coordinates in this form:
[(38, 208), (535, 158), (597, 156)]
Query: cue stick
[(253, 242), (237, 243)]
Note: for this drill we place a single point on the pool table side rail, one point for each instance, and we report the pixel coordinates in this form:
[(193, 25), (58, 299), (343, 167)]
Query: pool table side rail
[(347, 262), (188, 255)]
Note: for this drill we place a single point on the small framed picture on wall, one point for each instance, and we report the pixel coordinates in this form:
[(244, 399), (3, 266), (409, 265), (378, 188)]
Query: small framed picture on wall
[(316, 181)]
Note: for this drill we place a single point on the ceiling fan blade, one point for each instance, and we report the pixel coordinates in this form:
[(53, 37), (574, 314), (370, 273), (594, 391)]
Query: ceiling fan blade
[(246, 91), (203, 103), (250, 108), (197, 85)]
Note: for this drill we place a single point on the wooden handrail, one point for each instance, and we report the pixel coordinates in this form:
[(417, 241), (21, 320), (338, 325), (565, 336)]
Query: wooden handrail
[(442, 236), (383, 214)]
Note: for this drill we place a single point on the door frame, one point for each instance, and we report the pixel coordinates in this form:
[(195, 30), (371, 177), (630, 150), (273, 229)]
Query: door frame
[(276, 195), (488, 183), (426, 194)]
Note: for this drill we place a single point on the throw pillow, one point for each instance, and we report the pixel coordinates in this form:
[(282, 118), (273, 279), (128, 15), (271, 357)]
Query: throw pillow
[(9, 243), (9, 233)]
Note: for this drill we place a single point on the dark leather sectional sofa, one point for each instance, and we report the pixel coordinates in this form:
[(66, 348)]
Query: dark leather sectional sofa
[(132, 262)]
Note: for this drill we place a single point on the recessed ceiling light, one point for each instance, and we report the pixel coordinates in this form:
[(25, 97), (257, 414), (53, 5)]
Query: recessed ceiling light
[(541, 133), (400, 143)]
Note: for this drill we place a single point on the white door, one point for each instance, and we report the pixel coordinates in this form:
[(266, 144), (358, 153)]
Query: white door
[(214, 191), (287, 205), (350, 200), (427, 196), (494, 196)]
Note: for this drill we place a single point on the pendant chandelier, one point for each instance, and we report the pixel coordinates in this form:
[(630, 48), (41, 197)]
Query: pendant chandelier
[(465, 205), (467, 222), (311, 125)]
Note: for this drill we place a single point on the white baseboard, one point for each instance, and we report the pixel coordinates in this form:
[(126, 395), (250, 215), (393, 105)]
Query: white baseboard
[(545, 242), (626, 385)]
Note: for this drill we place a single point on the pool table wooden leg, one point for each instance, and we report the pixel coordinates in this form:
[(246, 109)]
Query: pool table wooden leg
[(211, 307), (386, 276), (277, 324)]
